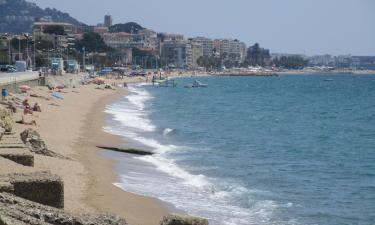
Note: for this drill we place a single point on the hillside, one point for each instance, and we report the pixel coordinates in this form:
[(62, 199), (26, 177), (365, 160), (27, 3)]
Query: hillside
[(17, 16), (130, 27)]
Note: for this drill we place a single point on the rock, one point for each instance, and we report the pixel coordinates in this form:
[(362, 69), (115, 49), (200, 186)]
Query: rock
[(35, 143), (6, 120), (15, 210), (128, 150), (4, 112), (2, 132), (183, 220)]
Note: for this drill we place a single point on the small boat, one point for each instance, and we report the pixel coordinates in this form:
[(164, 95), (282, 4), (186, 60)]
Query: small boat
[(166, 82), (328, 80), (196, 84)]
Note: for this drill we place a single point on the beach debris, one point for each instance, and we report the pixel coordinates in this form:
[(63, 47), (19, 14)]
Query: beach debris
[(128, 150), (16, 210), (6, 120), (34, 142), (57, 95), (54, 104), (183, 220)]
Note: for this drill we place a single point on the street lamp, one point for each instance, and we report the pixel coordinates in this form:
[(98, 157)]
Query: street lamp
[(27, 48), (19, 47)]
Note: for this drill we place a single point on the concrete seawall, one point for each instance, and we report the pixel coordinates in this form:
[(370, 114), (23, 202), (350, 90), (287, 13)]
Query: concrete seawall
[(12, 81)]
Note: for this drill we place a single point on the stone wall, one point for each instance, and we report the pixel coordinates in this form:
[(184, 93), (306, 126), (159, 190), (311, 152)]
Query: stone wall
[(15, 210), (41, 187)]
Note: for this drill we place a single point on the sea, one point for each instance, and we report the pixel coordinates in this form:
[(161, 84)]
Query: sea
[(292, 149)]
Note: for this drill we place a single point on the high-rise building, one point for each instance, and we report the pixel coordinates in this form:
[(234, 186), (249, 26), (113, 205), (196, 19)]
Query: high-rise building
[(207, 45), (107, 20), (229, 48), (195, 53), (175, 54)]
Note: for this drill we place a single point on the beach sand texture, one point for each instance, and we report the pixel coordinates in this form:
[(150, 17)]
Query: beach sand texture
[(74, 129)]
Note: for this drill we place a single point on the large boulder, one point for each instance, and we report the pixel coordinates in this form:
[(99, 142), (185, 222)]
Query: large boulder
[(6, 120), (35, 143), (183, 220)]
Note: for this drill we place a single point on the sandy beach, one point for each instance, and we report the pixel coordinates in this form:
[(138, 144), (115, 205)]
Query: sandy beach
[(74, 129)]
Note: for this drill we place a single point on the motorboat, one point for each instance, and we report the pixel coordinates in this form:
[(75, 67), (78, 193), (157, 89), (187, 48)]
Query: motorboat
[(196, 84)]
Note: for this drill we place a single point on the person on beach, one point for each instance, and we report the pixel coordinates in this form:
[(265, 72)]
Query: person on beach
[(36, 108), (26, 107), (26, 104)]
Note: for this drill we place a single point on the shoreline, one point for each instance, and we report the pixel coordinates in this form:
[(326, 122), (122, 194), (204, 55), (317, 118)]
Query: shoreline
[(136, 209), (73, 128)]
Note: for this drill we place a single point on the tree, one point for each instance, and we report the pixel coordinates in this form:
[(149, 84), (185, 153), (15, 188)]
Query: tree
[(55, 29), (18, 43), (146, 58), (43, 45), (40, 61), (290, 62), (209, 62), (127, 27), (92, 42)]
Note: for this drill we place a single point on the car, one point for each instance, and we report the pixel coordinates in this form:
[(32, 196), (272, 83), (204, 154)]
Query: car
[(7, 68)]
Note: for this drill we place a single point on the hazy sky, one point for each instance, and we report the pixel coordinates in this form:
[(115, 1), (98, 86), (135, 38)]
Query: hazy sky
[(287, 26)]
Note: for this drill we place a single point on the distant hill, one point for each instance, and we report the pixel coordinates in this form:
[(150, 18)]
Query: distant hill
[(17, 16), (130, 27)]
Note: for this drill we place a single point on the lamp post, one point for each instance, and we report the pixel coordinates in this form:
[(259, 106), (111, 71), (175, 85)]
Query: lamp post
[(83, 59), (27, 48), (19, 47), (9, 50)]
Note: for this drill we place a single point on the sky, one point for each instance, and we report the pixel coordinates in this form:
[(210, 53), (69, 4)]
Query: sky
[(308, 27)]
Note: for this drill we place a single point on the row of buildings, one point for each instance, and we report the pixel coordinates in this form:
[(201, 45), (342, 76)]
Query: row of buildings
[(173, 50), (339, 61), (343, 61)]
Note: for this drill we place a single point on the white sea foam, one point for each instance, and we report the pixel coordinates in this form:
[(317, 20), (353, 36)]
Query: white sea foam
[(167, 131), (197, 194), (133, 114)]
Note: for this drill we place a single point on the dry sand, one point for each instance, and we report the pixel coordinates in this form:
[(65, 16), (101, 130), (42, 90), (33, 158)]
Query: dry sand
[(74, 129)]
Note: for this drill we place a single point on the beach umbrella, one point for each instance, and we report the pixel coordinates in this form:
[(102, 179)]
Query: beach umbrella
[(60, 87), (58, 95), (24, 87), (99, 80)]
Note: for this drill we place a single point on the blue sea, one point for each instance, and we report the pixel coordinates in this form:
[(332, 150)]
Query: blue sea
[(293, 149)]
